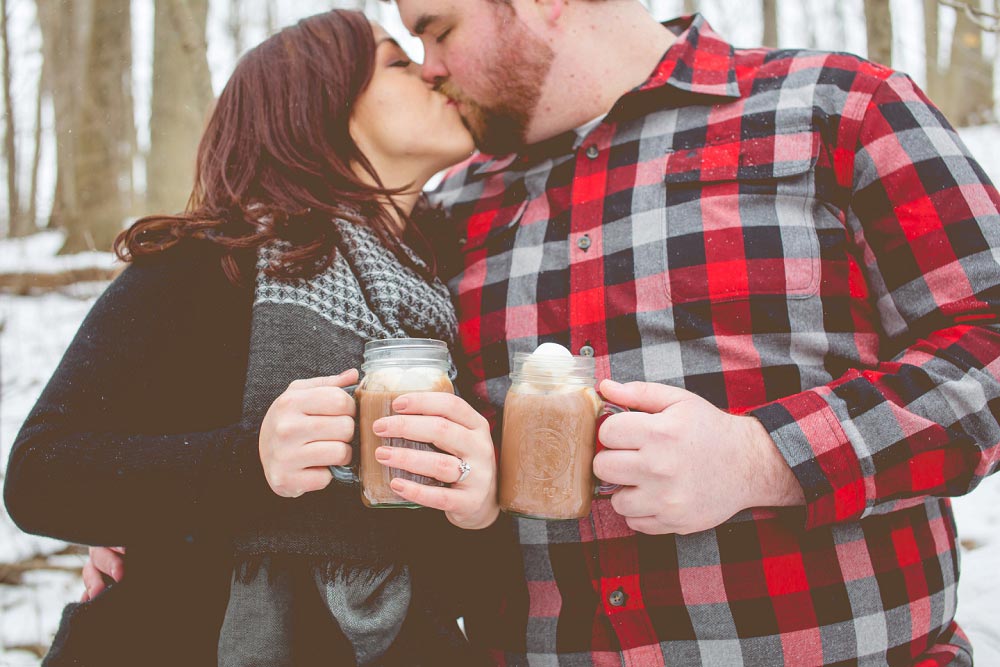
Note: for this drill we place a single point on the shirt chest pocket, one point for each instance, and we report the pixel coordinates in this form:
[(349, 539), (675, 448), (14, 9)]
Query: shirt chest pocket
[(739, 222)]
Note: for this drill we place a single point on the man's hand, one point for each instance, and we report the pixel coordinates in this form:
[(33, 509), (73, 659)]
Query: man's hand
[(306, 429), (685, 465)]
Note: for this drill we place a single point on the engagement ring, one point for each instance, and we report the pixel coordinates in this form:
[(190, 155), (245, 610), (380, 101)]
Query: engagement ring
[(463, 470)]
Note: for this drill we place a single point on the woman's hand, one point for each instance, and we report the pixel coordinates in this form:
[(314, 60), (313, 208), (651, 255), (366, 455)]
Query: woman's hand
[(102, 561), (462, 434), (306, 429)]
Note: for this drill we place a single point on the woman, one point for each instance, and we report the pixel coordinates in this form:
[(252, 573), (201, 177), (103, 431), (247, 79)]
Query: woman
[(152, 433)]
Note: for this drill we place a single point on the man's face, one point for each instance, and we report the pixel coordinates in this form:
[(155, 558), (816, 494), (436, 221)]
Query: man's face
[(485, 58)]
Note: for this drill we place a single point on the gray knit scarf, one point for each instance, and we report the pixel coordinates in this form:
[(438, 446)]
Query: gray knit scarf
[(325, 545)]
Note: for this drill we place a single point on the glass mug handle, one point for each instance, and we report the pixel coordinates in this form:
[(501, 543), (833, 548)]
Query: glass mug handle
[(603, 489), (345, 474)]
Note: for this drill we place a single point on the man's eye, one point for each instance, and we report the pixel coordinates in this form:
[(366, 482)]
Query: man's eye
[(443, 36)]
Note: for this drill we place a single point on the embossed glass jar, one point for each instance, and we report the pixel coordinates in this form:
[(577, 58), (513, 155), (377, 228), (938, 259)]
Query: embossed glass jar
[(549, 437), (393, 368)]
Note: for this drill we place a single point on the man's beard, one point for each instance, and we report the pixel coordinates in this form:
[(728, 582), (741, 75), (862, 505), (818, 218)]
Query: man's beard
[(516, 76)]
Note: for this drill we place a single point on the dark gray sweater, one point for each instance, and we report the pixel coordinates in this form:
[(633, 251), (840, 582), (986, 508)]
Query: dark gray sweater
[(357, 558), (137, 440)]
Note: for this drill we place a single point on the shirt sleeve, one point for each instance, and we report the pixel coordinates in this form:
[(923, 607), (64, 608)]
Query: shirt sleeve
[(924, 421)]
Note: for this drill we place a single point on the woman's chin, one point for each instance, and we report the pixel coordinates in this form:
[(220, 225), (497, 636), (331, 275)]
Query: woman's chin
[(452, 157)]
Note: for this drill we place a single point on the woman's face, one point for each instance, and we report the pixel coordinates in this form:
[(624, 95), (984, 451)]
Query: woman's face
[(400, 122)]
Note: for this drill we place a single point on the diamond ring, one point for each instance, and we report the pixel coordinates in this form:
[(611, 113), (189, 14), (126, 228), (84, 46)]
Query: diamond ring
[(463, 470)]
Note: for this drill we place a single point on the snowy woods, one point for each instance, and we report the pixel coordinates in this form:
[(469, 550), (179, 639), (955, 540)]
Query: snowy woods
[(109, 96), (104, 102)]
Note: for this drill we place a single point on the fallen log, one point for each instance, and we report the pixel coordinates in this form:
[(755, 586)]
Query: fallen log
[(30, 283)]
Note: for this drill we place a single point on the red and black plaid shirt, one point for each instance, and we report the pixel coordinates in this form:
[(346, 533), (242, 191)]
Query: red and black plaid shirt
[(791, 234)]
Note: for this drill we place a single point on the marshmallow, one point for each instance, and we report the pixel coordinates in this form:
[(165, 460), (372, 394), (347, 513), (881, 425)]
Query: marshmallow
[(407, 378), (550, 361), (551, 350), (384, 379)]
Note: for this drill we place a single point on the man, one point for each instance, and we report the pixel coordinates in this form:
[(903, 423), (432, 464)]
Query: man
[(792, 261)]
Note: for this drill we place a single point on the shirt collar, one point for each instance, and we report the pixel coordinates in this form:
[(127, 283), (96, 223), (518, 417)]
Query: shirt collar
[(699, 62)]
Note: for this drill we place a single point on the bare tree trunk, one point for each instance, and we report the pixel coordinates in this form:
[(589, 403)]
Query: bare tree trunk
[(840, 13), (878, 20), (270, 20), (127, 138), (931, 50), (99, 160), (62, 38), (770, 11), (15, 225), (182, 94), (235, 25), (36, 160), (970, 97)]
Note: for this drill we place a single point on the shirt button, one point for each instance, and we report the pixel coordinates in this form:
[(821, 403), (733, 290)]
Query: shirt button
[(593, 152), (586, 351), (462, 241), (617, 598), (584, 242)]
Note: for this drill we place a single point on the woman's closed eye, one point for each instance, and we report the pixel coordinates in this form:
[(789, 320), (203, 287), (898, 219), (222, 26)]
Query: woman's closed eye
[(401, 63)]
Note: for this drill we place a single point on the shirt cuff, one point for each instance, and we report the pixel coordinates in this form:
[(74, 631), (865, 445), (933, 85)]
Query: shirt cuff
[(809, 436)]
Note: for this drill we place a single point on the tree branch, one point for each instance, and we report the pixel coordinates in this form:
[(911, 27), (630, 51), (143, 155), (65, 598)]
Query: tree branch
[(986, 21)]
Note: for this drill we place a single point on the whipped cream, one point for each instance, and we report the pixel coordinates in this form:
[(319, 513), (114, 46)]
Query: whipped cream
[(407, 378)]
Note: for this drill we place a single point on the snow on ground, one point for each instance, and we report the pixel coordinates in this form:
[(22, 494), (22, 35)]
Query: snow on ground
[(36, 330), (37, 254)]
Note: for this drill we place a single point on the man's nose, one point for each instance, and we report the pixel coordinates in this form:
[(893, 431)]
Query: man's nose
[(433, 70)]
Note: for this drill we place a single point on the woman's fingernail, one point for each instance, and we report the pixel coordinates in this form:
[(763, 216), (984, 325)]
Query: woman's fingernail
[(379, 427), (400, 403), (397, 485), (612, 384), (382, 454)]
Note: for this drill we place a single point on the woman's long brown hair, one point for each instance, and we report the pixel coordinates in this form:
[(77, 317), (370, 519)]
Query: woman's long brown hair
[(275, 161)]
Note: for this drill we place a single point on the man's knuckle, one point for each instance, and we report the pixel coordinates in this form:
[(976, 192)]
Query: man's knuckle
[(619, 504), (661, 466)]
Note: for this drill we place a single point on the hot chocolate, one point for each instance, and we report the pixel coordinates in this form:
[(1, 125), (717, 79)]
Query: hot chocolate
[(549, 428), (548, 452), (383, 383)]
